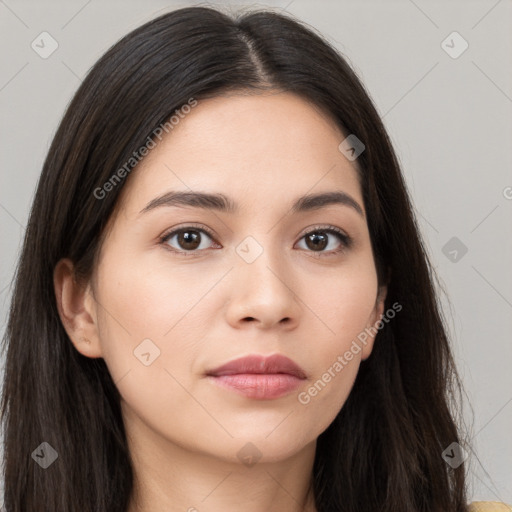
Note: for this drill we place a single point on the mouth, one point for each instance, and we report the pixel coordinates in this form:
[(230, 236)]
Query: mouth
[(259, 377)]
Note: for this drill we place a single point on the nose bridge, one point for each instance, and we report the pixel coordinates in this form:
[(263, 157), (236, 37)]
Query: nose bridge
[(258, 263), (263, 290)]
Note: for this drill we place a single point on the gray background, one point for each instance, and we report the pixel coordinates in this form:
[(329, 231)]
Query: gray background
[(449, 119)]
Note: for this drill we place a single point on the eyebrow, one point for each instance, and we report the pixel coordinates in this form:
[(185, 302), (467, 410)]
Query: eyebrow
[(222, 203)]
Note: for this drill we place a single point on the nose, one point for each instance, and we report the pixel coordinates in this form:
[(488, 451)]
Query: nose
[(263, 294)]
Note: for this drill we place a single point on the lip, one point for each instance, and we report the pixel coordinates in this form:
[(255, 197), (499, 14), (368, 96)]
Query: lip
[(259, 377)]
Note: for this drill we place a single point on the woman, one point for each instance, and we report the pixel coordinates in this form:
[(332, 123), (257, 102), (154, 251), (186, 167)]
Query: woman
[(223, 301)]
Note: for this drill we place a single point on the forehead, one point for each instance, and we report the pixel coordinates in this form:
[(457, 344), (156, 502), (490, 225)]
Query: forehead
[(252, 147)]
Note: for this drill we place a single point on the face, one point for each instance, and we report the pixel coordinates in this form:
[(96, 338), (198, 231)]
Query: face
[(180, 290)]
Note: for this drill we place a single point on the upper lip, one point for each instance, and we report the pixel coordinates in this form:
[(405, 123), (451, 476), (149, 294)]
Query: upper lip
[(260, 365)]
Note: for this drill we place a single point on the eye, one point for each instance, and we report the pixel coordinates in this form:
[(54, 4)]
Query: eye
[(318, 239), (189, 240)]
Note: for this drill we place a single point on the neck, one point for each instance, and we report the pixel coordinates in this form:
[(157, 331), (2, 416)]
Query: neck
[(170, 478)]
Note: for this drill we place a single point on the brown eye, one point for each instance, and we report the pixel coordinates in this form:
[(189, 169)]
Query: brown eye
[(317, 240), (187, 239), (320, 239)]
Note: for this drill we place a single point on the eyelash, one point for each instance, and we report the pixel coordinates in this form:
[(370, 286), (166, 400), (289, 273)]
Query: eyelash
[(346, 241)]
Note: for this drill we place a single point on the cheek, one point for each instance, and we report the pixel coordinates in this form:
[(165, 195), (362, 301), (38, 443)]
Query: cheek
[(343, 304), (141, 302), (149, 297), (150, 332), (343, 309)]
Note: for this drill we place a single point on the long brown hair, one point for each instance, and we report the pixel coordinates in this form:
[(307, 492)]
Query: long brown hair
[(383, 450)]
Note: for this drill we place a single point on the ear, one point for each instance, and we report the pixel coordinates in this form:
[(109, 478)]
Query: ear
[(77, 309), (375, 317)]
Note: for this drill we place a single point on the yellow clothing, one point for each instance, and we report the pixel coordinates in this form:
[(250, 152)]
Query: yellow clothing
[(489, 506)]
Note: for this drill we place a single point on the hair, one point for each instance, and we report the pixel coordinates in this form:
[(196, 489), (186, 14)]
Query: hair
[(383, 449)]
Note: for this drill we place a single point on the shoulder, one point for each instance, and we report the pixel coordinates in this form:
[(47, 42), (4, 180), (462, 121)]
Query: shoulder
[(489, 506)]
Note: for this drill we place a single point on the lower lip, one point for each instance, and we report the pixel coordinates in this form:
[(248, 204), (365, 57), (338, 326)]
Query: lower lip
[(263, 386)]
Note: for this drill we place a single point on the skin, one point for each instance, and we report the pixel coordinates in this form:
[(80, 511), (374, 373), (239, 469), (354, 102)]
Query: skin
[(184, 432)]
